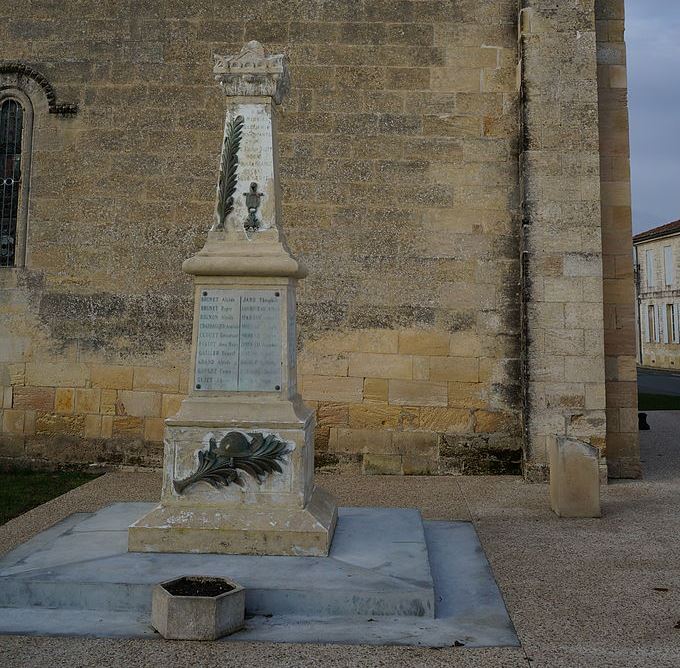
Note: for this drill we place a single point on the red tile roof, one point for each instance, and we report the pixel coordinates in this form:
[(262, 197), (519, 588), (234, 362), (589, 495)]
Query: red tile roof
[(656, 232)]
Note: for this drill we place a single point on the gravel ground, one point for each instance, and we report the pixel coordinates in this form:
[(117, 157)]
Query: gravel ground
[(591, 593)]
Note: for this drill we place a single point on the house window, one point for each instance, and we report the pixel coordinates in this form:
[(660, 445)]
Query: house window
[(649, 262), (651, 323), (16, 118), (670, 334), (668, 265)]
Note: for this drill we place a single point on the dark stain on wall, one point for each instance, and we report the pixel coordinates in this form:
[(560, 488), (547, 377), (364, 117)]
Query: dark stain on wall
[(130, 323)]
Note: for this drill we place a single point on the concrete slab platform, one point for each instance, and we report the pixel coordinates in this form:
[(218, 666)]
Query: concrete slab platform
[(368, 572), (411, 583)]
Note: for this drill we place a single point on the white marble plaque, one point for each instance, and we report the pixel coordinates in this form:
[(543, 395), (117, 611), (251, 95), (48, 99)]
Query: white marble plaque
[(255, 163), (238, 347), (217, 345)]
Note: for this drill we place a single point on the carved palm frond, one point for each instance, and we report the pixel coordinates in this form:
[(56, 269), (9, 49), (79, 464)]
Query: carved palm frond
[(213, 469), (228, 167), (218, 465), (264, 458)]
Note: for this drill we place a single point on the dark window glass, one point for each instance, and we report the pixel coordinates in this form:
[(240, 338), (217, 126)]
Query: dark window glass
[(11, 125)]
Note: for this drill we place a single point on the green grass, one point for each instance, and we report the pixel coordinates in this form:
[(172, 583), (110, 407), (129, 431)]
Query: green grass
[(22, 490), (658, 402)]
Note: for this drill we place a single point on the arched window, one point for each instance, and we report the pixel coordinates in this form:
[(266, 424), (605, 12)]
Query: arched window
[(11, 133), (21, 87), (16, 118)]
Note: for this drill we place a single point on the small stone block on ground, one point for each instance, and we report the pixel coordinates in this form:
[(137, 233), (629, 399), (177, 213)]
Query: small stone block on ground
[(574, 477)]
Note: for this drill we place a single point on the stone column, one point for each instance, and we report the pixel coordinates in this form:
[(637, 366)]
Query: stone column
[(623, 448), (239, 456), (563, 350)]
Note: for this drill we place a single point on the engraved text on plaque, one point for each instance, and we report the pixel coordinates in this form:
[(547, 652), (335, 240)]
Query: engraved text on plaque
[(239, 341)]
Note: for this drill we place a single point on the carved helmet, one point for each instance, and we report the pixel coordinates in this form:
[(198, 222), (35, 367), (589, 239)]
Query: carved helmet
[(234, 444)]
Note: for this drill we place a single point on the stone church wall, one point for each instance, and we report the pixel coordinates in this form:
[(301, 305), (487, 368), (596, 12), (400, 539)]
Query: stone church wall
[(400, 149)]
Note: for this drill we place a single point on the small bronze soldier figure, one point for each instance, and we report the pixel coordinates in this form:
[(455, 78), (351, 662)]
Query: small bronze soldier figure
[(252, 203)]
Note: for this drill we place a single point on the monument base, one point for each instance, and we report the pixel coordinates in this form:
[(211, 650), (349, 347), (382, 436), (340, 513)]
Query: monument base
[(420, 583), (286, 531)]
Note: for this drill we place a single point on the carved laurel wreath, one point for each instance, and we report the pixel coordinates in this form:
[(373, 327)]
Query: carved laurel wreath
[(220, 464), (228, 166)]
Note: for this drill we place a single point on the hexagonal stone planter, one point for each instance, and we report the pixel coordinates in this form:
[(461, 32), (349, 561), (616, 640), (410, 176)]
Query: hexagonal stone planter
[(196, 607)]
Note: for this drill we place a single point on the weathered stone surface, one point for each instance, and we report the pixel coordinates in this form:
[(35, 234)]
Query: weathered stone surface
[(283, 531), (170, 404), (49, 450), (353, 441), (373, 416), (127, 426), (375, 389), (376, 365), (87, 400), (459, 369), (419, 465), (242, 396), (11, 445), (111, 377), (153, 429), (92, 427), (491, 422), (332, 388), (109, 401), (155, 379), (64, 400), (59, 425), (62, 374), (474, 454), (445, 420), (374, 464), (574, 478), (568, 331), (35, 398), (424, 342), (417, 393), (139, 404)]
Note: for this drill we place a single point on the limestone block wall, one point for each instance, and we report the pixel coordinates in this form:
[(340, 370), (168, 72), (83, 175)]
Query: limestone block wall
[(403, 146), (399, 173), (563, 351), (623, 452)]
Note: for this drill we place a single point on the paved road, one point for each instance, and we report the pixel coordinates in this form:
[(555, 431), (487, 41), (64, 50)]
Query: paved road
[(659, 382)]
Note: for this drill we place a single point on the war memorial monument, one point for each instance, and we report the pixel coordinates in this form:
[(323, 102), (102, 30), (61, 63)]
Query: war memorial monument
[(243, 419), (239, 508), (453, 295)]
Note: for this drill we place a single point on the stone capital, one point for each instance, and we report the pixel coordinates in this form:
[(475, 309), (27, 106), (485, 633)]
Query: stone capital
[(251, 73)]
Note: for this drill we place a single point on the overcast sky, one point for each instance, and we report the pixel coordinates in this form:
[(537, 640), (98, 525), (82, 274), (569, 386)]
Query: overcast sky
[(653, 40)]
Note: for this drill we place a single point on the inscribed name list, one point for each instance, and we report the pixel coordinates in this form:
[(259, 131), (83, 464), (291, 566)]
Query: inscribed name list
[(255, 163), (238, 347)]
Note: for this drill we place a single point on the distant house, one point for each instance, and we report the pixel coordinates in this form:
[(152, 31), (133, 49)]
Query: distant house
[(656, 255)]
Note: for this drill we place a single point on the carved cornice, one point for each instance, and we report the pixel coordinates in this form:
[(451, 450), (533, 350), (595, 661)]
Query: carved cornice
[(253, 74), (17, 67)]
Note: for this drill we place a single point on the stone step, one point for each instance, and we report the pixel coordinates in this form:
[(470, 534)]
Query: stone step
[(378, 566), (469, 609)]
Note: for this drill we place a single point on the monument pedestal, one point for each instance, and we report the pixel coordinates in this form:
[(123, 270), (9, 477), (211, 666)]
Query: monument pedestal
[(285, 531), (238, 474), (285, 514)]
